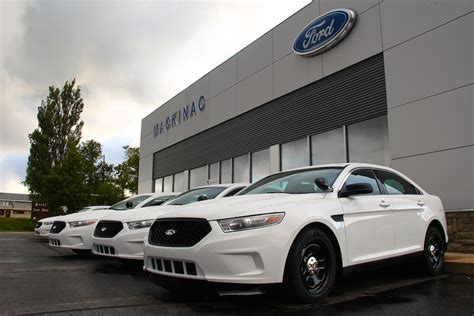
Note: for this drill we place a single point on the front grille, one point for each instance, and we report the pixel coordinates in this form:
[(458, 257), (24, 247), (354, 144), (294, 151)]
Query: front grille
[(38, 225), (54, 242), (105, 250), (57, 227), (107, 229), (172, 266), (178, 232)]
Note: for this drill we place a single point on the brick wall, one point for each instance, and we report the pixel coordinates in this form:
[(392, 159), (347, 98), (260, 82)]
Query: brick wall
[(461, 231)]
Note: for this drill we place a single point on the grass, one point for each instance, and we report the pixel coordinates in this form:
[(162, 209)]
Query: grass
[(16, 224)]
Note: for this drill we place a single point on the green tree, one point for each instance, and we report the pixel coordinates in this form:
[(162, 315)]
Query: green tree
[(127, 171), (99, 176), (59, 131)]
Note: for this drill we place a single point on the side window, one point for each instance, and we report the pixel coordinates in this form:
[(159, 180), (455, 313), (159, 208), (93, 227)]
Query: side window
[(364, 176), (233, 192), (395, 184)]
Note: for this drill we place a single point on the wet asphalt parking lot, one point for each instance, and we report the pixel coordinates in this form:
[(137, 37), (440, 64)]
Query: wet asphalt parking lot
[(37, 279)]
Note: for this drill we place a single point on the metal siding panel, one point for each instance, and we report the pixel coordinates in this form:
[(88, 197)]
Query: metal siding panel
[(349, 96)]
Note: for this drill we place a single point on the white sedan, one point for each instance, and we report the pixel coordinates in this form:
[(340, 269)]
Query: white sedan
[(43, 226), (122, 234), (301, 228), (74, 231)]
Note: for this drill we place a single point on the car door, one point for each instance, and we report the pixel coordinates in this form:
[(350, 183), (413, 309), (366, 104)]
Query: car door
[(408, 207), (368, 221)]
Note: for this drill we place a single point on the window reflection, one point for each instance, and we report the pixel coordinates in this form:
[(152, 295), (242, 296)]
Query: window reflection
[(241, 169), (260, 164), (294, 154)]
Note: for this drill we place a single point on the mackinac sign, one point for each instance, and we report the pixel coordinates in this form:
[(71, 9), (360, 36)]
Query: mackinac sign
[(324, 32), (183, 114)]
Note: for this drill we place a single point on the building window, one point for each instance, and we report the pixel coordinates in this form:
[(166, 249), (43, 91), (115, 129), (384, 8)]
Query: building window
[(368, 141), (179, 182), (18, 212), (159, 185), (213, 173), (241, 169), (328, 147), (198, 177), (260, 164), (226, 171), (168, 184), (294, 154)]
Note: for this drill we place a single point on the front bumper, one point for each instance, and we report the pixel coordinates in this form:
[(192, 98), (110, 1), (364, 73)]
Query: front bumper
[(254, 256), (73, 238), (127, 244), (43, 230)]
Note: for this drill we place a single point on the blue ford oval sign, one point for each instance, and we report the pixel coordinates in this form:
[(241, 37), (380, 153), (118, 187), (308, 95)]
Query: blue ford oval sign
[(324, 32)]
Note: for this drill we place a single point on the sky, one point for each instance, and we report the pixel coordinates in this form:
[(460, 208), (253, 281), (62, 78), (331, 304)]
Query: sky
[(128, 57)]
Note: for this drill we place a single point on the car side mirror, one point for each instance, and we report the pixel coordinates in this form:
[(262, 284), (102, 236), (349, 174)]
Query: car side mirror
[(355, 189), (323, 184), (202, 198), (129, 204)]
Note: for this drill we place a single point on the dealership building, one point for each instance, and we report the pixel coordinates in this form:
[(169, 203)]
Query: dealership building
[(393, 87)]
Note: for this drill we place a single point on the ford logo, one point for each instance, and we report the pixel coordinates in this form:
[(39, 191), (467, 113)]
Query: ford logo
[(324, 32), (170, 232)]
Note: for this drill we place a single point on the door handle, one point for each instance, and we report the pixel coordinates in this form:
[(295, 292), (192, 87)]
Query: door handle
[(420, 203), (384, 204)]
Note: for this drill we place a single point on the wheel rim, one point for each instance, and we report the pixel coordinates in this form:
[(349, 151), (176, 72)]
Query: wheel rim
[(435, 251), (314, 266)]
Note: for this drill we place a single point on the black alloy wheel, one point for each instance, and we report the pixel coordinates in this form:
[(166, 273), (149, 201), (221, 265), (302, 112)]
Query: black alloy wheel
[(310, 269), (433, 255), (313, 267)]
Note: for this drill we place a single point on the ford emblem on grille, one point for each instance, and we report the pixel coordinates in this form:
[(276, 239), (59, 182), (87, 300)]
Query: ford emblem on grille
[(170, 232), (54, 227), (103, 229)]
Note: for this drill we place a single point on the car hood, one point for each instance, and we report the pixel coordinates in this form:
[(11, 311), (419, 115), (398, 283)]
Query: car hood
[(98, 214), (51, 219), (140, 214), (243, 205)]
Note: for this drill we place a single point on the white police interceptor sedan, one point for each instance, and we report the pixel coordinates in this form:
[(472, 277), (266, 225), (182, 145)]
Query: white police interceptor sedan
[(122, 234), (300, 228), (74, 231)]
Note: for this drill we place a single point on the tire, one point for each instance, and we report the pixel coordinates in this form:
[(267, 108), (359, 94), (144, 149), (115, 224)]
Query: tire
[(310, 269), (82, 252), (433, 252)]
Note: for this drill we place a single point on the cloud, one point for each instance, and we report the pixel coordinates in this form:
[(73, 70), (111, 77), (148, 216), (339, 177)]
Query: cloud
[(13, 168), (128, 57)]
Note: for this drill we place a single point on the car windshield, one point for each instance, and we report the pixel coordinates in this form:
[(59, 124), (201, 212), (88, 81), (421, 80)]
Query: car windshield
[(135, 200), (158, 201), (199, 194), (293, 182)]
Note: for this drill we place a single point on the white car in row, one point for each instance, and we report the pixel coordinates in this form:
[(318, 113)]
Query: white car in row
[(122, 234), (300, 228), (43, 226), (75, 231)]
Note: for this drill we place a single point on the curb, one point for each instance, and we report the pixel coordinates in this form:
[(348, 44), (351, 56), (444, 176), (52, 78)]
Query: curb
[(459, 263)]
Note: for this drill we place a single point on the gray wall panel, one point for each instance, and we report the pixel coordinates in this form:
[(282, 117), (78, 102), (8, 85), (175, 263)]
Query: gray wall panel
[(354, 94)]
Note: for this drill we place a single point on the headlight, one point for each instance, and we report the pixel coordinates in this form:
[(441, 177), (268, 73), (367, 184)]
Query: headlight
[(82, 223), (249, 222), (140, 224), (47, 223)]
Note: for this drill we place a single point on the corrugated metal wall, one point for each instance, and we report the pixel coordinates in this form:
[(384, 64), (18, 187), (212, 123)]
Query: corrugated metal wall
[(349, 96)]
